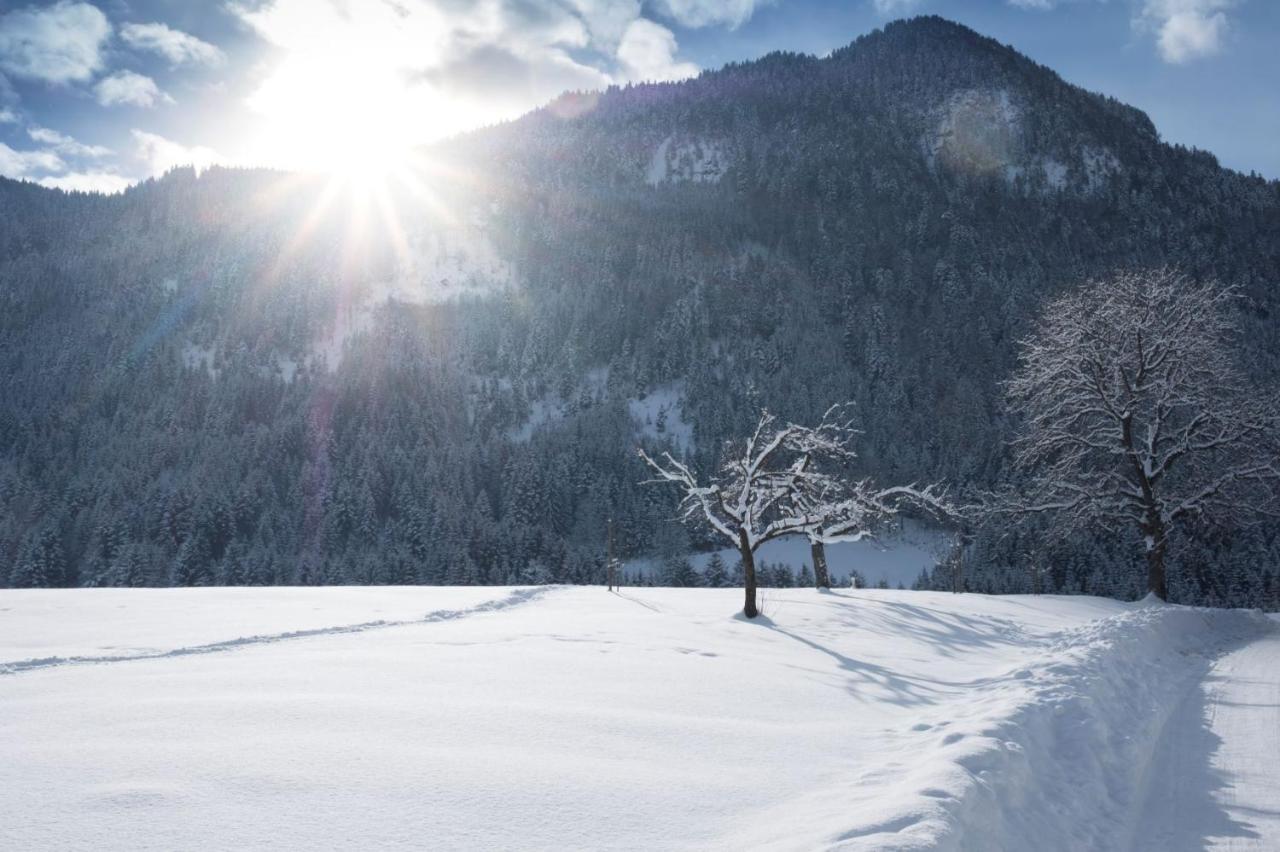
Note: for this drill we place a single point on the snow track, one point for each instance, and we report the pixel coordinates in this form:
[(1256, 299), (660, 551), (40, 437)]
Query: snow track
[(514, 598), (1104, 752), (1214, 782)]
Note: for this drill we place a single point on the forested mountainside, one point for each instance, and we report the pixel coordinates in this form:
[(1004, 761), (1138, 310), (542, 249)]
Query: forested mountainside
[(254, 377)]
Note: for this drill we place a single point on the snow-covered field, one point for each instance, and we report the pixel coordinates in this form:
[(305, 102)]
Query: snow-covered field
[(573, 718)]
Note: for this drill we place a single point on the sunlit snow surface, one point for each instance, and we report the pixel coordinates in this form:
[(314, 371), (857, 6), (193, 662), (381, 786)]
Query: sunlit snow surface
[(572, 718)]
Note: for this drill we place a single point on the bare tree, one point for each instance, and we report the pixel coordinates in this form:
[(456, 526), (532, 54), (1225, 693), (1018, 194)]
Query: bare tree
[(1136, 415), (754, 498), (786, 481), (862, 510)]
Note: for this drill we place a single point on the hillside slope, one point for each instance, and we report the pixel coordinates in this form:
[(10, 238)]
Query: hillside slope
[(248, 377)]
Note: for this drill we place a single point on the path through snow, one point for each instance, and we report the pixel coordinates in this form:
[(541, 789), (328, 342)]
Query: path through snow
[(1215, 778)]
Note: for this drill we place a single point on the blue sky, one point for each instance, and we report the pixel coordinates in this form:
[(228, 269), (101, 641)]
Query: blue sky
[(94, 96)]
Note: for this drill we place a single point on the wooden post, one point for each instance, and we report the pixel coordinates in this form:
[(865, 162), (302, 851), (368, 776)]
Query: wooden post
[(957, 577), (610, 566)]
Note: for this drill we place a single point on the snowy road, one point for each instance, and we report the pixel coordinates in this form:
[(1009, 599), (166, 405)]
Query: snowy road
[(1215, 777)]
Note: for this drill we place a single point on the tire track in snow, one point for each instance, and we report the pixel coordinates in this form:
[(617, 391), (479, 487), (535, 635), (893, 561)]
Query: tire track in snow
[(515, 598)]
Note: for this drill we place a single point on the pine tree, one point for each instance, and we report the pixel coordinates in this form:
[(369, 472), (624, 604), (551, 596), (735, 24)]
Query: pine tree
[(715, 575)]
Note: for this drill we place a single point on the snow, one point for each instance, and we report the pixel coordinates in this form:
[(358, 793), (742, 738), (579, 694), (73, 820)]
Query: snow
[(150, 621), (552, 408), (657, 171), (541, 412), (287, 368), (1214, 779), (446, 262), (647, 412), (443, 261), (556, 718), (1100, 165), (976, 131), (687, 161), (196, 357)]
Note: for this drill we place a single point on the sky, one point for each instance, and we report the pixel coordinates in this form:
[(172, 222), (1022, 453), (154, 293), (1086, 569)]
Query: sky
[(95, 96)]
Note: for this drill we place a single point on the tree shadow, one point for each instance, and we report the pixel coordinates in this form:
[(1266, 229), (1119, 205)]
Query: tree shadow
[(950, 633), (903, 690), (636, 601)]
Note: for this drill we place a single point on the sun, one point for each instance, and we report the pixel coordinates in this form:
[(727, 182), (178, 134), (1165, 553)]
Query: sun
[(350, 112)]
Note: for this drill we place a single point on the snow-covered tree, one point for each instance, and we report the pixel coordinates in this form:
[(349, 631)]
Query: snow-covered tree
[(753, 499), (862, 510), (785, 480), (1136, 414)]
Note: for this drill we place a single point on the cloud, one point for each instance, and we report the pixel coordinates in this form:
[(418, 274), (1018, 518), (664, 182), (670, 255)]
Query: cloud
[(647, 52), (104, 182), (64, 144), (8, 116), (1187, 29), (900, 7), (363, 72), (1184, 29), (20, 164), (58, 44), (160, 154), (175, 45), (126, 87), (702, 13)]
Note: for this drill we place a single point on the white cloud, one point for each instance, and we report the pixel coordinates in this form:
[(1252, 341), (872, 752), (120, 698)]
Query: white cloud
[(127, 87), (64, 144), (161, 154), (104, 182), (19, 164), (1187, 29), (900, 7), (8, 116), (647, 52), (702, 13), (175, 45), (58, 44), (375, 75)]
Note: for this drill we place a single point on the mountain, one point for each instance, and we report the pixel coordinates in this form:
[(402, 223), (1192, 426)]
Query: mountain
[(254, 377)]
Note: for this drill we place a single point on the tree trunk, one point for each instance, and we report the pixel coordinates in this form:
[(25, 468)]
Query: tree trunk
[(1157, 583), (748, 575), (821, 579)]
